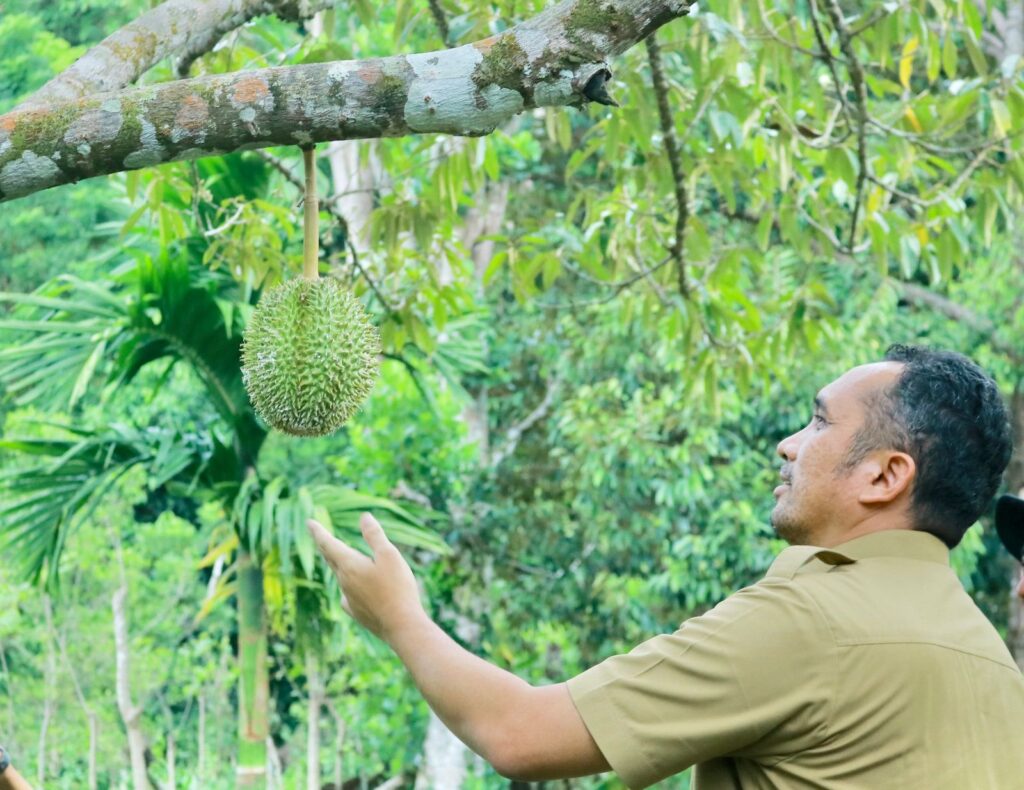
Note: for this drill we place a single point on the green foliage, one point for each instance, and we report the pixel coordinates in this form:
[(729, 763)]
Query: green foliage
[(39, 56), (631, 422)]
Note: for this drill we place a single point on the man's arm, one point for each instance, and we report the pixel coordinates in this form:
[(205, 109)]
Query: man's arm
[(524, 732), (10, 779)]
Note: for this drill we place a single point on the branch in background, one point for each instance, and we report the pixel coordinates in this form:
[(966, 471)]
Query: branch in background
[(856, 72), (777, 37), (187, 27), (832, 239), (557, 58), (879, 14), (403, 490), (516, 432), (331, 209), (945, 194), (619, 286), (830, 61), (441, 21), (205, 39), (668, 131), (923, 297)]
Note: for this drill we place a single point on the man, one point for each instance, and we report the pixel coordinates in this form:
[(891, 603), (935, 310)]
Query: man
[(857, 662)]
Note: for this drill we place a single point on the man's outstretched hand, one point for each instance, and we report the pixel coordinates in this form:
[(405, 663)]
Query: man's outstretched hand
[(379, 591), (526, 732)]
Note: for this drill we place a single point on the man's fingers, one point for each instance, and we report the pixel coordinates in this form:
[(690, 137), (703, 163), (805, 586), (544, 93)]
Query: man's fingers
[(337, 553), (373, 533)]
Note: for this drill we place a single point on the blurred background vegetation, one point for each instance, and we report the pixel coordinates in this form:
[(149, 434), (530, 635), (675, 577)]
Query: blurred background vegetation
[(582, 388)]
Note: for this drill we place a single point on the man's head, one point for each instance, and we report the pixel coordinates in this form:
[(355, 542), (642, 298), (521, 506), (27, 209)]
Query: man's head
[(917, 441)]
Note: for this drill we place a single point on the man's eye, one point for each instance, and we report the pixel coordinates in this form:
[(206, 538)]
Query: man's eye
[(819, 420)]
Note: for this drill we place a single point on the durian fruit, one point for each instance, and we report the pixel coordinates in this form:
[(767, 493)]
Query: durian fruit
[(309, 356), (309, 353)]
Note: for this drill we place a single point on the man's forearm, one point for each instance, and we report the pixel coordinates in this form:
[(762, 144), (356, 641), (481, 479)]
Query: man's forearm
[(12, 780), (474, 699)]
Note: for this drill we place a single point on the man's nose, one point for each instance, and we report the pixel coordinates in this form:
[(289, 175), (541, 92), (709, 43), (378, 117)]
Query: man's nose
[(788, 447)]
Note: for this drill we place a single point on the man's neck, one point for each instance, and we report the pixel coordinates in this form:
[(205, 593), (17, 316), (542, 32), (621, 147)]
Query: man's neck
[(832, 538)]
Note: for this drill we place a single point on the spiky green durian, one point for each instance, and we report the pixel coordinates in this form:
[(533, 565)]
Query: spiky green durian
[(309, 356)]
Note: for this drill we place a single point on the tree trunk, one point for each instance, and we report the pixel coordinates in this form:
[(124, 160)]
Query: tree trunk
[(1013, 37), (131, 714), (49, 693), (253, 683), (557, 58), (201, 738), (316, 701), (90, 714), (444, 759), (354, 183), (170, 756), (94, 738), (275, 769), (339, 743)]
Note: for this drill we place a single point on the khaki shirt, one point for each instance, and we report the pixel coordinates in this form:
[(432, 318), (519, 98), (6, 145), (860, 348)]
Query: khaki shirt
[(862, 666)]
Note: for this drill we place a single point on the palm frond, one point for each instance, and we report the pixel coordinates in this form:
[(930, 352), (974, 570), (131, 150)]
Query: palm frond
[(270, 518), (70, 331), (62, 481)]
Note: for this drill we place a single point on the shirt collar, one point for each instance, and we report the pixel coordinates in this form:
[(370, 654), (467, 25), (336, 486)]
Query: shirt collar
[(904, 543)]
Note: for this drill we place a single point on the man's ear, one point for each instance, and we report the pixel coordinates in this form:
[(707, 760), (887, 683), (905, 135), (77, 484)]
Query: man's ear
[(890, 474)]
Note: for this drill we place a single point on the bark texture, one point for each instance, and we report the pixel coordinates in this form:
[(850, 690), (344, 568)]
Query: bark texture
[(182, 28), (558, 57)]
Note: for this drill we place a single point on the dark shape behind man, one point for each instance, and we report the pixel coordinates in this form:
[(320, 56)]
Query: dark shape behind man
[(857, 662), (1010, 527)]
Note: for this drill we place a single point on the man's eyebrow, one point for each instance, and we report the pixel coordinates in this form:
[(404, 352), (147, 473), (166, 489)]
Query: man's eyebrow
[(819, 405)]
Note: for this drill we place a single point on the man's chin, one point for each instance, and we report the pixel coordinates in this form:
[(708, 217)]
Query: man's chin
[(788, 529)]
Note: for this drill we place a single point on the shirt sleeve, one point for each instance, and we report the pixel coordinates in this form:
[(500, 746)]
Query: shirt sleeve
[(752, 676)]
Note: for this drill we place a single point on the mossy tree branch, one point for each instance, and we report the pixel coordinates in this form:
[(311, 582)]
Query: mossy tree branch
[(178, 28), (553, 59)]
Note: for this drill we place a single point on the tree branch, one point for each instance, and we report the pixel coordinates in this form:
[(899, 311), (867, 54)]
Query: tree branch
[(856, 72), (923, 297), (441, 21), (668, 131), (516, 432), (943, 194), (186, 27), (556, 58), (204, 41)]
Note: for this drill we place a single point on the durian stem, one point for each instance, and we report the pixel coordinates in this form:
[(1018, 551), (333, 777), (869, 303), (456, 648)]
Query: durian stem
[(311, 219)]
